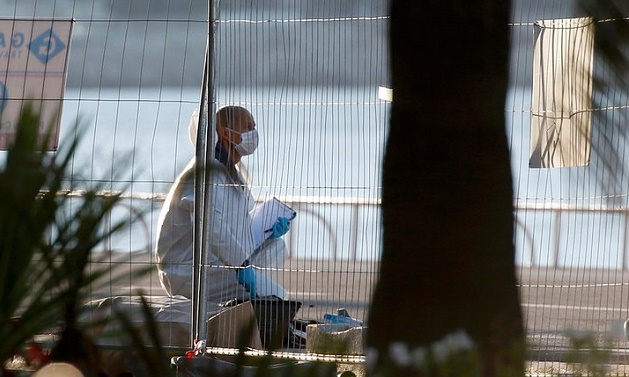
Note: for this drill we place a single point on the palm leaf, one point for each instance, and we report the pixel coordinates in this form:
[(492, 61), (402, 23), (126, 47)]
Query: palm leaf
[(46, 238)]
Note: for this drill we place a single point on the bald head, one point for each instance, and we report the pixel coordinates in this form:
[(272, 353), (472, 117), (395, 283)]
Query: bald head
[(231, 123), (231, 116)]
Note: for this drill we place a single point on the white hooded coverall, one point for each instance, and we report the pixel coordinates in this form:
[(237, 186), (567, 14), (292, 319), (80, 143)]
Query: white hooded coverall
[(231, 241)]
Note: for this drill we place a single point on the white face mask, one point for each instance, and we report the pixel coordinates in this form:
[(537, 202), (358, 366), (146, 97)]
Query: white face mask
[(249, 142)]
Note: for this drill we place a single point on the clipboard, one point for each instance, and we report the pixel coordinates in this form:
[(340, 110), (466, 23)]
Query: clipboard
[(265, 215)]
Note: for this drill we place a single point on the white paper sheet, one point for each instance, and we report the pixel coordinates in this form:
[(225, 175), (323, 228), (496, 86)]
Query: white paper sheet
[(265, 215)]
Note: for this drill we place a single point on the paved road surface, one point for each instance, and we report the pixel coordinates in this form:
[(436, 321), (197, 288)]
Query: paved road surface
[(554, 301)]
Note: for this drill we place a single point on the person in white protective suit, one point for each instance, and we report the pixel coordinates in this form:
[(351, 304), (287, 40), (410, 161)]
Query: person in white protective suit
[(236, 268)]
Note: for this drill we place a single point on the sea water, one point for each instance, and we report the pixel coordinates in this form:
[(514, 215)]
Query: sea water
[(326, 146), (322, 147)]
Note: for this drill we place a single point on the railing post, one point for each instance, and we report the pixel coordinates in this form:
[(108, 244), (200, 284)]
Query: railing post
[(624, 241), (354, 231), (556, 236)]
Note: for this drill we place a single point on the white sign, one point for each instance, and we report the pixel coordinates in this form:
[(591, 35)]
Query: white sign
[(33, 64)]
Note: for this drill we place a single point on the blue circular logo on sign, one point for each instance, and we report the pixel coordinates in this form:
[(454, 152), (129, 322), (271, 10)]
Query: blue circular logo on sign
[(3, 97)]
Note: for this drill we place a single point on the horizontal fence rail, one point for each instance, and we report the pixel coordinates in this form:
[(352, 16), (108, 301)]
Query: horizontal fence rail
[(305, 206), (560, 235), (542, 229)]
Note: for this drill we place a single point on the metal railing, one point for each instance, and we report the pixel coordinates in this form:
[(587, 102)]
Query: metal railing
[(544, 229), (302, 204), (528, 225)]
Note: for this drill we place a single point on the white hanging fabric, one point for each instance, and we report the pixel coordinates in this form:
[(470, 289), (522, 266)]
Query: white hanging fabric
[(561, 123)]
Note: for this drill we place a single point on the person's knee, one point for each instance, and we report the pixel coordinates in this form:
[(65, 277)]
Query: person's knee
[(272, 253), (164, 282), (176, 285)]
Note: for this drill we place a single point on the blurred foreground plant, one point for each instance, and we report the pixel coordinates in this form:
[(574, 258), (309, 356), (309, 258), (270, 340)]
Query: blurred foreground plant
[(586, 355), (46, 239)]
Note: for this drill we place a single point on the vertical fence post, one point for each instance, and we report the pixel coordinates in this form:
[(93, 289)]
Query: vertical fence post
[(202, 187)]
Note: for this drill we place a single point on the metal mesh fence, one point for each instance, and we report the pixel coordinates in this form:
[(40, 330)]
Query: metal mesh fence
[(309, 74)]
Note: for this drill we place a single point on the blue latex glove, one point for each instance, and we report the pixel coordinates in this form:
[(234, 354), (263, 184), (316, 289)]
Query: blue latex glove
[(281, 226), (247, 277)]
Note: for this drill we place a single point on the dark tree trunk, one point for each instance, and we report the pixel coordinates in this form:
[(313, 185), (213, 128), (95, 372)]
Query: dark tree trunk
[(448, 259)]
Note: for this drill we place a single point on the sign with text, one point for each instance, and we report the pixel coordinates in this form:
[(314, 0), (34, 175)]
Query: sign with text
[(33, 65)]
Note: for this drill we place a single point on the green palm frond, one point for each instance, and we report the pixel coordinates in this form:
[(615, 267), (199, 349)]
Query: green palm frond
[(46, 236)]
